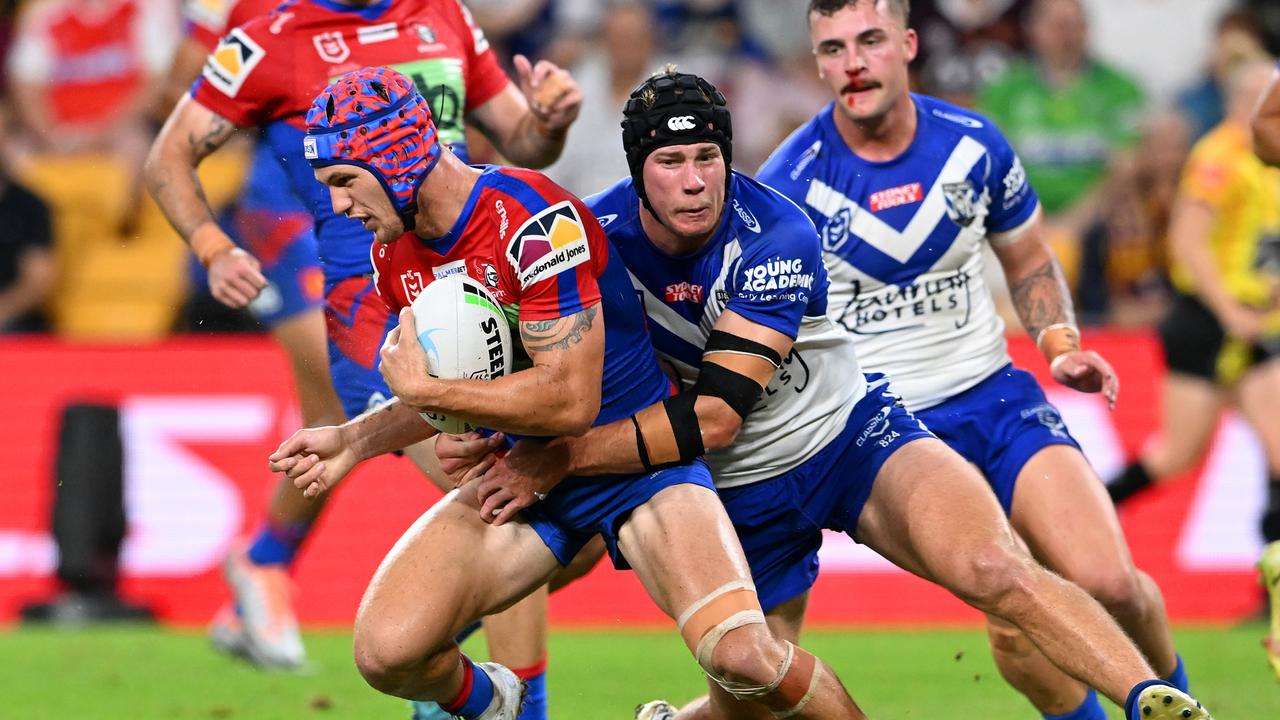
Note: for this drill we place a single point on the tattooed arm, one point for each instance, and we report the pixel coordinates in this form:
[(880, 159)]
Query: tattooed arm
[(191, 134), (1040, 295), (559, 395)]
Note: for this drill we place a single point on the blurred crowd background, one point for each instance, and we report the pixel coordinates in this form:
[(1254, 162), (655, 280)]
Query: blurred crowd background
[(1101, 98)]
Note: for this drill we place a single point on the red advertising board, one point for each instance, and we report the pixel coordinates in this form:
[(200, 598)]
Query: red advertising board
[(199, 417)]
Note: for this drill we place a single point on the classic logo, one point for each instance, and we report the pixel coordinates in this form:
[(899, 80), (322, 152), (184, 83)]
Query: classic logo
[(549, 243), (680, 123), (807, 157), (504, 222), (684, 292), (896, 196), (875, 427), (331, 47), (606, 219), (957, 118), (411, 281), (377, 33), (457, 267), (231, 62), (747, 218)]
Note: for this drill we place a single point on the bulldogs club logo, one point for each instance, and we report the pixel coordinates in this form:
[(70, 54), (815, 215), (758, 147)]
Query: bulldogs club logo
[(548, 243)]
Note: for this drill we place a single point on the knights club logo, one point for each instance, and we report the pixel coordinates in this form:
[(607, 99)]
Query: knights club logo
[(411, 281), (549, 243), (331, 47)]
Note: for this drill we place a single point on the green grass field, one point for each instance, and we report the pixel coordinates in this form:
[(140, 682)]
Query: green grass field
[(119, 674)]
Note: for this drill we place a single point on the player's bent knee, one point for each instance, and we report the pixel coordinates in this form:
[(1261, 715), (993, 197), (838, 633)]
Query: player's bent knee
[(785, 689), (706, 622), (727, 633), (1116, 590), (386, 659), (995, 573)]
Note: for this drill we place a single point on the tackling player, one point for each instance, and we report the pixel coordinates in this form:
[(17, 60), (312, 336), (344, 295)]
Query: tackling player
[(547, 262), (264, 73), (798, 440), (906, 190)]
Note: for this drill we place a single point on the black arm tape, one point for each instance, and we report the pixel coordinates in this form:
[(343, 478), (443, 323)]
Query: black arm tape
[(640, 448), (739, 391), (721, 341), (684, 425)]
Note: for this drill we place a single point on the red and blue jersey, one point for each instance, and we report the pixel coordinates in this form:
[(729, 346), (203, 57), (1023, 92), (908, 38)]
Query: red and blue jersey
[(543, 255), (266, 71)]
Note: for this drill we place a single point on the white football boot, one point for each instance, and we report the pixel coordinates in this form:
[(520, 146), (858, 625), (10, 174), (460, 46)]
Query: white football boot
[(1164, 702), (508, 693), (655, 710), (268, 633)]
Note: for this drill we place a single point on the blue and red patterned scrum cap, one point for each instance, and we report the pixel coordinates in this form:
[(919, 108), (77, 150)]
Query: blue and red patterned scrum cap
[(376, 119)]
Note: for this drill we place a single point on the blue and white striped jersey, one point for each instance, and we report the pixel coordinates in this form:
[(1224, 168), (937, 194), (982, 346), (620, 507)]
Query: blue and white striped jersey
[(903, 242), (765, 264)]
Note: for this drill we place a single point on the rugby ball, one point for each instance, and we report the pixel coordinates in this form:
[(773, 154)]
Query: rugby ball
[(465, 335)]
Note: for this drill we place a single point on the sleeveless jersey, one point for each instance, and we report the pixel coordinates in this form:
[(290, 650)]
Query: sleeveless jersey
[(542, 254), (764, 263), (903, 242), (267, 71)]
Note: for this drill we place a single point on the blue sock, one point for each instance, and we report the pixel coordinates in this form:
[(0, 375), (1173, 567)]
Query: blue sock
[(475, 695), (1178, 678), (423, 710), (1131, 703), (1090, 709), (535, 699), (276, 544)]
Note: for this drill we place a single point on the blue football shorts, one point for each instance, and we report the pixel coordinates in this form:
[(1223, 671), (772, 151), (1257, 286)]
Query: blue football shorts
[(998, 425), (780, 520), (580, 507)]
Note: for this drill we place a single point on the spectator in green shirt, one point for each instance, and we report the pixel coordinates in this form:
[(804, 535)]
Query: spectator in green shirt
[(1065, 113)]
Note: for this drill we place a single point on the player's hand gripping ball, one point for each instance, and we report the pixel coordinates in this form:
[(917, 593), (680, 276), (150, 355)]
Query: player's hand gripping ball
[(465, 335)]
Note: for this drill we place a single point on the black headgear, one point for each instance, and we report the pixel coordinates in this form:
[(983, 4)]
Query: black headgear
[(674, 108)]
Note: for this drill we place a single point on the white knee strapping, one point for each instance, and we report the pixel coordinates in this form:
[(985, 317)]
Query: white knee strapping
[(781, 694), (738, 617)]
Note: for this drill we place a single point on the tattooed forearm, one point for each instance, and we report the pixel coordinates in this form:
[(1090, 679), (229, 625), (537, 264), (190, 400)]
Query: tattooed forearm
[(1042, 298), (557, 334), (210, 137)]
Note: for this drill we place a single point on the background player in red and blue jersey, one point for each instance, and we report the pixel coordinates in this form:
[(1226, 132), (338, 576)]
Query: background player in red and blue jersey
[(544, 256), (264, 73)]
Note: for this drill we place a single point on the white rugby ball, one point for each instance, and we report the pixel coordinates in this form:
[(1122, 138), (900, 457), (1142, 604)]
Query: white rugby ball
[(465, 335)]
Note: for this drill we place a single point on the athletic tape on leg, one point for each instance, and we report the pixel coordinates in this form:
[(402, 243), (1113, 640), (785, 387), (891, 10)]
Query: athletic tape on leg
[(705, 623), (791, 690)]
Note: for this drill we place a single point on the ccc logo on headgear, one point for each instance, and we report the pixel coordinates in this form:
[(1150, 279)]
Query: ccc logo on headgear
[(680, 123)]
